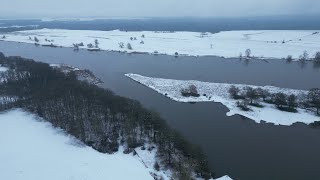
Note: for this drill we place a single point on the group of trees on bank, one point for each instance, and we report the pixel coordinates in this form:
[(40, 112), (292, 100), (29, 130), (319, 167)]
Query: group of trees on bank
[(97, 116), (190, 91), (305, 56), (285, 102)]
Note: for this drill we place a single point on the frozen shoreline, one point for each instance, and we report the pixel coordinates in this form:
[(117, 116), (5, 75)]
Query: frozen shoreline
[(263, 43), (218, 92)]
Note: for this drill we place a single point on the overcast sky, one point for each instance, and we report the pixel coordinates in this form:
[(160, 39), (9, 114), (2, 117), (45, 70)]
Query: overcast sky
[(155, 8)]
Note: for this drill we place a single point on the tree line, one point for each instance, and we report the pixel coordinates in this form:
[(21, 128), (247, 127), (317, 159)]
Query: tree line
[(285, 102)]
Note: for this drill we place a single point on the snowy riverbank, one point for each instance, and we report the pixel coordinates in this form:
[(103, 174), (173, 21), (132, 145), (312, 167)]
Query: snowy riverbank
[(263, 43), (218, 92), (33, 149)]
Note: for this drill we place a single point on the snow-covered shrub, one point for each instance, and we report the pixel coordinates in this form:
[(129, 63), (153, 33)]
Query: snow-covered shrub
[(248, 53), (317, 57), (90, 45), (304, 56)]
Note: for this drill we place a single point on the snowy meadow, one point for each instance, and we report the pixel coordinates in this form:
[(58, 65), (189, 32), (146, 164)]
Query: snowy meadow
[(276, 44)]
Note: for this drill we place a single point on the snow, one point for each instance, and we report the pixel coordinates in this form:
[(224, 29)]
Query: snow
[(218, 92), (3, 69), (148, 158), (224, 178), (263, 43), (32, 149), (16, 26)]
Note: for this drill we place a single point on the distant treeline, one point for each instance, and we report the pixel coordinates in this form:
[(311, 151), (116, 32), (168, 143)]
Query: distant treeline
[(97, 116)]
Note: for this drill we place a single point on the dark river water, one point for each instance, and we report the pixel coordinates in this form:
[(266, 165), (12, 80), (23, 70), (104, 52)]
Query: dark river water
[(235, 145)]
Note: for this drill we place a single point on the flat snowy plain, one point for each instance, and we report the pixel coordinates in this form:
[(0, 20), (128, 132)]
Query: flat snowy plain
[(218, 92), (263, 43)]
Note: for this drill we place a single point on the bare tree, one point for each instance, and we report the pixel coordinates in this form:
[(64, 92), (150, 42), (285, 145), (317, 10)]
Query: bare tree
[(314, 98), (292, 101), (304, 56), (96, 42), (251, 94), (317, 57), (263, 93), (248, 53), (280, 100), (234, 92), (289, 58), (240, 56)]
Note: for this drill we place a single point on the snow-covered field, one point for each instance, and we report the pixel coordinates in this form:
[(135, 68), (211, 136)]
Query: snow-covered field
[(31, 150), (218, 92), (263, 43)]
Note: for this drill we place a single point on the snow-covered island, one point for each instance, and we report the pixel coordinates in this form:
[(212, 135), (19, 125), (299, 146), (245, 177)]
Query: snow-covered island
[(262, 43), (219, 92)]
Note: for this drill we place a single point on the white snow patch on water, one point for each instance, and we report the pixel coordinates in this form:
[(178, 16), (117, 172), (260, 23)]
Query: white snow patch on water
[(263, 43), (32, 149), (218, 92)]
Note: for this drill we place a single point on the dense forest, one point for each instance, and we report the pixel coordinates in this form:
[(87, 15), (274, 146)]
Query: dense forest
[(96, 116)]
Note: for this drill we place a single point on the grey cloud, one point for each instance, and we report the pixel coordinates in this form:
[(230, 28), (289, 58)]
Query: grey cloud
[(155, 8)]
